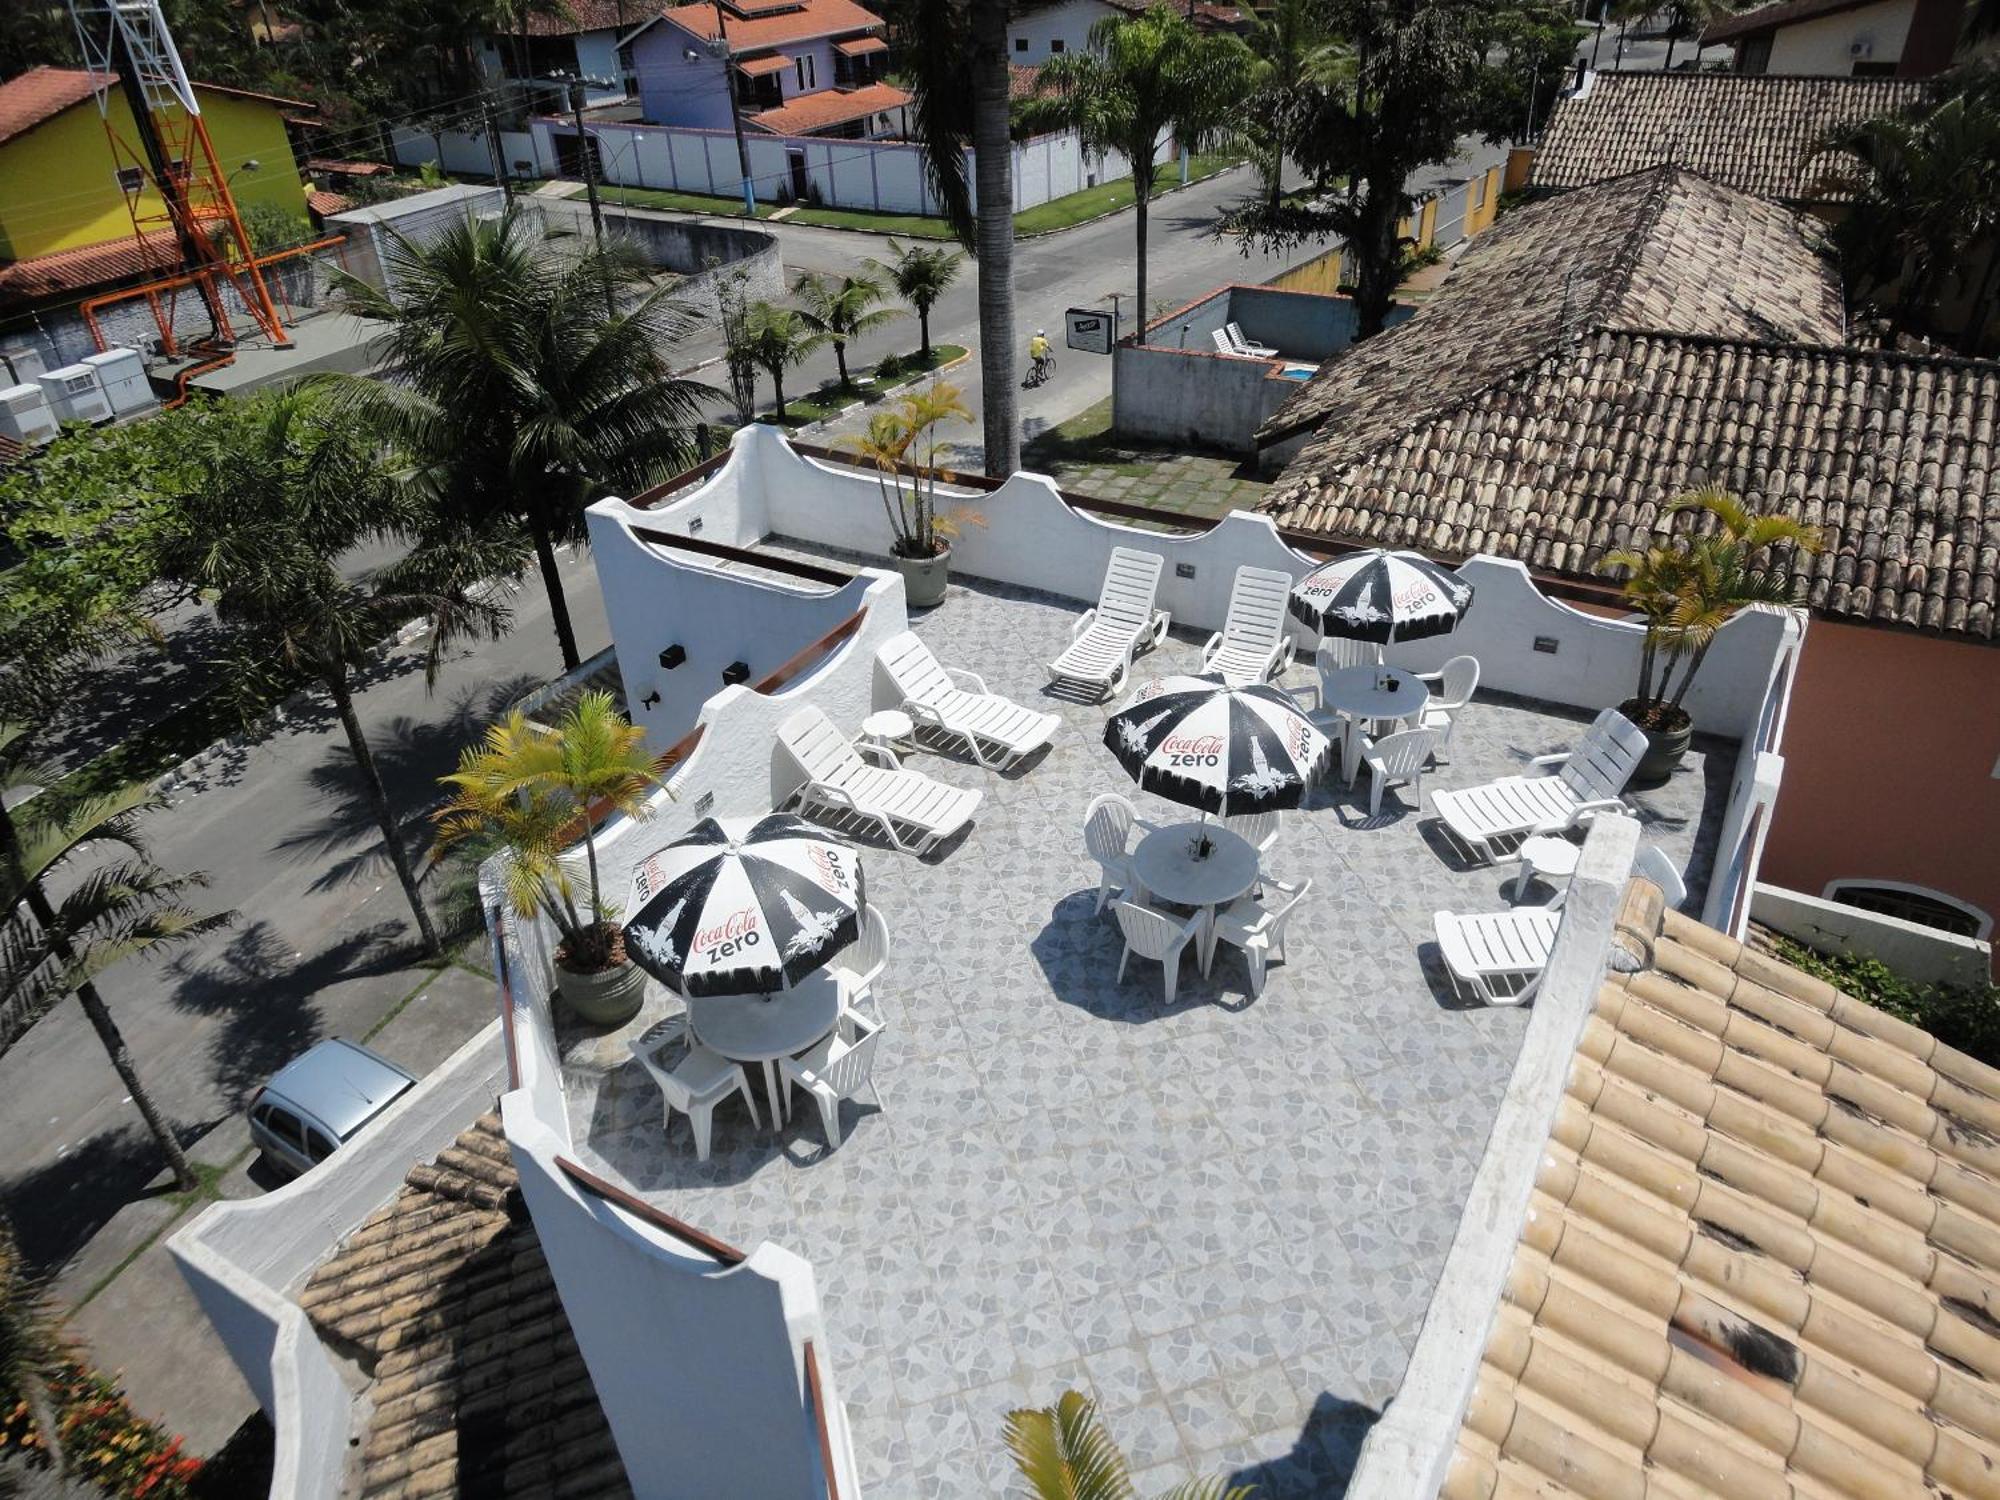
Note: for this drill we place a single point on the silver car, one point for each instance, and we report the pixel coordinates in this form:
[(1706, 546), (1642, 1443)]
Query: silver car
[(320, 1099)]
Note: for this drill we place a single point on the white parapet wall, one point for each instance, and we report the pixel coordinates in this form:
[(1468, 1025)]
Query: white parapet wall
[(1923, 955), (247, 1260)]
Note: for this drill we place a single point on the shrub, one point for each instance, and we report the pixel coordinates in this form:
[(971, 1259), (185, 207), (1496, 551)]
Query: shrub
[(1963, 1016), (889, 367), (104, 1442)]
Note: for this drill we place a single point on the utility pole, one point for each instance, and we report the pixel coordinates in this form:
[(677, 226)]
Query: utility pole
[(735, 111), (500, 173), (588, 156)]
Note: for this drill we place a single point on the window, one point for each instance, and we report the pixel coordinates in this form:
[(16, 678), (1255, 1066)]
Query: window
[(1020, 44), (806, 79), (1912, 903), (318, 1147), (1057, 44), (281, 1124), (1754, 55)]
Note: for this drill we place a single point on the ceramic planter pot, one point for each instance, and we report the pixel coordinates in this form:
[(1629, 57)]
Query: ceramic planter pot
[(1664, 747), (606, 997), (924, 578)]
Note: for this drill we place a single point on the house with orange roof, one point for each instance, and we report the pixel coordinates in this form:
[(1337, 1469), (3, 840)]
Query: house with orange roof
[(793, 67)]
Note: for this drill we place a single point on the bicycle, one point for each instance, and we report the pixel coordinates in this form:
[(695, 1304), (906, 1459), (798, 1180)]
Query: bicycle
[(1039, 371)]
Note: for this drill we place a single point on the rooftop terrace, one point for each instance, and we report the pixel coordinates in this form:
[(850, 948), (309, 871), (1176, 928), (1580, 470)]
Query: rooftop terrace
[(1223, 1217)]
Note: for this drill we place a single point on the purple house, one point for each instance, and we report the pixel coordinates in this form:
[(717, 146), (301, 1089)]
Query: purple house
[(801, 67)]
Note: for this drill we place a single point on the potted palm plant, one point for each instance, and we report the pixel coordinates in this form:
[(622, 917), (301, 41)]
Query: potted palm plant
[(1688, 588), (922, 535), (538, 791)]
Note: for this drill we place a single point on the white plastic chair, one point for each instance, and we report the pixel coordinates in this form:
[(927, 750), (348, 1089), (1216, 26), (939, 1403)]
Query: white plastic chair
[(1335, 652), (1252, 645), (996, 731), (1588, 780), (1104, 641), (1107, 833), (1156, 935), (1258, 830), (859, 966), (696, 1084), (1395, 760), (1452, 687), (1244, 346), (838, 1068), (1257, 927), (914, 812), (1653, 864)]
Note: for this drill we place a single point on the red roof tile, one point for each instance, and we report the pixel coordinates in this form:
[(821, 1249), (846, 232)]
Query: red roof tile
[(861, 46), (337, 168), (815, 18), (323, 203), (753, 67), (88, 266), (41, 94), (829, 107)]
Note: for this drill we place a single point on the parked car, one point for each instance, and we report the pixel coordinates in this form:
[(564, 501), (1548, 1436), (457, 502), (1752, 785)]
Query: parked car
[(320, 1100)]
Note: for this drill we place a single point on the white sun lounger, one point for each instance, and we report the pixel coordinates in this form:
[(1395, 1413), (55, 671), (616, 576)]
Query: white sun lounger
[(1498, 956), (996, 730), (1104, 641), (914, 812), (1590, 780), (1252, 645), (1244, 346)]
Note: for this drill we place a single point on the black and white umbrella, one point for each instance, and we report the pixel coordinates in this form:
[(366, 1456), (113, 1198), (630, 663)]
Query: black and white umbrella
[(1382, 597), (1230, 751), (744, 907)]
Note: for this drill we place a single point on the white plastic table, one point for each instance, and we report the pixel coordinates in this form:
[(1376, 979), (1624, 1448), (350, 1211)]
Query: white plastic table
[(1359, 694), (1545, 854), (888, 729), (1166, 866), (764, 1028)]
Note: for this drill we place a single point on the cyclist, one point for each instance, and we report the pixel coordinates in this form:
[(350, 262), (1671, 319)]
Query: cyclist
[(1041, 359)]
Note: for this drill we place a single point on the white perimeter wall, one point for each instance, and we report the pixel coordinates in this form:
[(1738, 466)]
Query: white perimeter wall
[(1822, 45), (245, 1261), (467, 152)]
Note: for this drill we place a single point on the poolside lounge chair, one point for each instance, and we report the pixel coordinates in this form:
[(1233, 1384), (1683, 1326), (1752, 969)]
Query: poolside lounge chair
[(1252, 645), (1244, 346), (1226, 348), (1103, 642), (1499, 956), (1590, 780), (914, 812), (997, 731)]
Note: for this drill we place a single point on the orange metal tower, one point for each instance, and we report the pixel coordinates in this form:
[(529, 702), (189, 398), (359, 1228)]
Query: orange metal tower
[(170, 151)]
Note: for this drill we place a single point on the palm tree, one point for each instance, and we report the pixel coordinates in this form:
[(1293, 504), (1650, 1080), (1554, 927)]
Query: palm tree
[(890, 440), (1289, 40), (843, 309), (1688, 589), (1064, 1453), (1140, 78), (956, 62), (780, 338), (67, 915), (539, 790), (277, 508), (920, 274), (33, 1349), (1925, 190), (511, 387)]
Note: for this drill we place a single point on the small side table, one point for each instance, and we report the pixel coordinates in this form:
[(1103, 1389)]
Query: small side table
[(889, 729), (1547, 855)]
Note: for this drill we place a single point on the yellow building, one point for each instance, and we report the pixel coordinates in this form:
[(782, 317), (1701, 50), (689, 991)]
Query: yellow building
[(64, 224)]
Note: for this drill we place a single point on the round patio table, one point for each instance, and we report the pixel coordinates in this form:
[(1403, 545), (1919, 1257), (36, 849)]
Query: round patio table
[(1167, 867), (1359, 694), (764, 1028)]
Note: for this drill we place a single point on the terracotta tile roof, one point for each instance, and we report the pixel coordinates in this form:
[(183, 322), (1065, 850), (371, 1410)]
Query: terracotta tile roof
[(89, 266), (337, 168), (1756, 133), (324, 203), (593, 15), (1024, 80), (12, 451), (862, 46), (816, 18), (43, 93), (774, 62), (1770, 17), (1889, 455), (829, 107), (1658, 249), (1762, 1258), (445, 1300)]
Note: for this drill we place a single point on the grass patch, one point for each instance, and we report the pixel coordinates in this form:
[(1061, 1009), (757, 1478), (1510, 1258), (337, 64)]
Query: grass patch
[(832, 398), (916, 226), (1109, 197), (1963, 1016), (687, 203)]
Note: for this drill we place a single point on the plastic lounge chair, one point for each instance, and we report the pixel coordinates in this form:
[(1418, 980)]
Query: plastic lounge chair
[(857, 969), (914, 812), (996, 731), (1107, 833), (1252, 645), (1396, 760), (1589, 779), (1257, 927), (1227, 348), (1452, 687), (696, 1084), (1244, 346), (1104, 641), (1156, 935), (838, 1068)]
